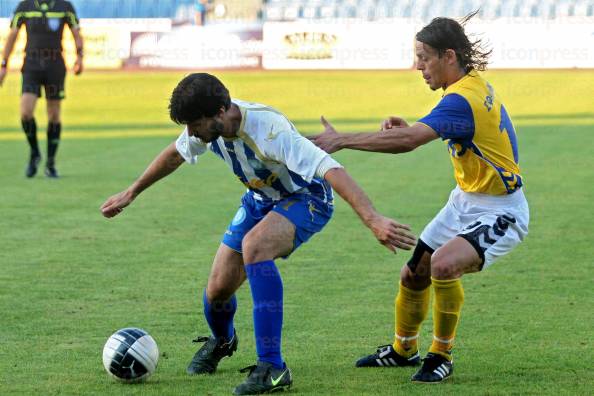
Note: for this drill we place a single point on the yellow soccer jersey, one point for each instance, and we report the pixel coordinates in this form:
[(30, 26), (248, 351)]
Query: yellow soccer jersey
[(480, 136)]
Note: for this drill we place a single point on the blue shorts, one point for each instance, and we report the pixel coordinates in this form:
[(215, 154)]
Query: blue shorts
[(308, 213)]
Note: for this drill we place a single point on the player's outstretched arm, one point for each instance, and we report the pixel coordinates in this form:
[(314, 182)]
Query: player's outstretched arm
[(164, 164), (10, 40), (397, 139), (388, 232)]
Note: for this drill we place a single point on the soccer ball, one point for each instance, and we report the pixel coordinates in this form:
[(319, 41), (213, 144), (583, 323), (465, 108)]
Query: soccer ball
[(130, 355)]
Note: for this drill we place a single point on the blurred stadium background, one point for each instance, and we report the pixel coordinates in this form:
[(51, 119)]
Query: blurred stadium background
[(318, 34), (287, 10)]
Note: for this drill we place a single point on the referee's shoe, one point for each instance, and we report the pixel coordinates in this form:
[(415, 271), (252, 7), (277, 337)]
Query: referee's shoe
[(32, 166)]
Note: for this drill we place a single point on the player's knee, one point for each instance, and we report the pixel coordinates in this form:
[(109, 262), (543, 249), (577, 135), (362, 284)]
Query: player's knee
[(413, 280), (26, 115), (442, 266), (254, 249), (54, 118), (416, 274), (27, 110)]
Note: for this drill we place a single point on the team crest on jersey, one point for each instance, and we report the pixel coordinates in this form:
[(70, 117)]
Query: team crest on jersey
[(53, 24)]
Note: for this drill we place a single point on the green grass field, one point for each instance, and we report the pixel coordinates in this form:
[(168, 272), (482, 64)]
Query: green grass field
[(69, 278)]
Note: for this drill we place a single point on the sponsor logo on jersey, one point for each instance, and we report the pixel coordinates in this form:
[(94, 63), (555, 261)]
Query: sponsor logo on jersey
[(259, 183)]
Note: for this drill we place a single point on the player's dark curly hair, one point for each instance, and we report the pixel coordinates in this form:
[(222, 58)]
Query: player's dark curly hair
[(445, 33), (198, 95)]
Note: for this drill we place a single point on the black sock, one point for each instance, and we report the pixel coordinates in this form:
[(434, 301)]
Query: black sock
[(53, 140), (30, 129)]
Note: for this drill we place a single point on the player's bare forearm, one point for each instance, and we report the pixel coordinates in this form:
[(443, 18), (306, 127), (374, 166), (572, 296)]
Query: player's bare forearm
[(12, 35), (395, 140), (388, 232), (10, 40), (164, 164), (79, 43), (389, 141), (350, 191), (78, 39), (9, 46)]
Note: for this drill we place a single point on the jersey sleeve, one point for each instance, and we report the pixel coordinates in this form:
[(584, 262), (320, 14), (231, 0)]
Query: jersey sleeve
[(452, 118), (71, 17), (190, 147), (298, 154), (18, 17)]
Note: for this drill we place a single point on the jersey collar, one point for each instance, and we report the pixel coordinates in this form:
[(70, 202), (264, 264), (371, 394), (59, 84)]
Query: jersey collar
[(470, 74), (50, 5)]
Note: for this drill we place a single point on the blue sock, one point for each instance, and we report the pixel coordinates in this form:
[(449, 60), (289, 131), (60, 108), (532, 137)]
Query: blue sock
[(219, 316), (267, 292)]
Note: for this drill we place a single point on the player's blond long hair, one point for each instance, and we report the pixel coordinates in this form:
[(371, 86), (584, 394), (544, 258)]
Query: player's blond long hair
[(446, 33)]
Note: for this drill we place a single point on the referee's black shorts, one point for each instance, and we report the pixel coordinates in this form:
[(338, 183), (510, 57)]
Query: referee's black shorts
[(51, 78)]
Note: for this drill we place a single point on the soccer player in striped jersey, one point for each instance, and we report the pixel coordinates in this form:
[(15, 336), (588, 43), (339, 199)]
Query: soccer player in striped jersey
[(289, 198), (486, 215)]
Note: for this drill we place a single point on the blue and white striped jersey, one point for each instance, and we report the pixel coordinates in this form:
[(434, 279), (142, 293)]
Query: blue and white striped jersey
[(268, 155)]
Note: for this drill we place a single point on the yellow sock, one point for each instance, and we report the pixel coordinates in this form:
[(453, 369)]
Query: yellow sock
[(411, 310), (449, 298)]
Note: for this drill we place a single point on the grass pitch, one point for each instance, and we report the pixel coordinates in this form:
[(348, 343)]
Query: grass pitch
[(69, 278)]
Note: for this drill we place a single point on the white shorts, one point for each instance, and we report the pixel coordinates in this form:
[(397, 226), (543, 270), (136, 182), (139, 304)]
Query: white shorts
[(493, 224)]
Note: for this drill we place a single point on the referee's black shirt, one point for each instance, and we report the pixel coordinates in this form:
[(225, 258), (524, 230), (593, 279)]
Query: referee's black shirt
[(44, 20)]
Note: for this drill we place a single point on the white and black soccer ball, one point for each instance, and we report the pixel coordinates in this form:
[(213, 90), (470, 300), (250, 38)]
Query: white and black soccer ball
[(130, 355)]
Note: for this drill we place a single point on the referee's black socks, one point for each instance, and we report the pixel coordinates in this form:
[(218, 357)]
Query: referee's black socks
[(30, 129), (53, 140)]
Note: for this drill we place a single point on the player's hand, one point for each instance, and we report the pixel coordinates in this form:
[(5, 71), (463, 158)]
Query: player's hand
[(393, 122), (392, 234), (327, 140), (3, 72), (116, 203), (78, 66)]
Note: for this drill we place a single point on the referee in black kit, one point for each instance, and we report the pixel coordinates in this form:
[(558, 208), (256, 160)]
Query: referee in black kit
[(43, 66)]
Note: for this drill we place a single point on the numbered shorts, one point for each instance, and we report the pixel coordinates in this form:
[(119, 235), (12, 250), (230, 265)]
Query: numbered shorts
[(308, 213), (493, 225)]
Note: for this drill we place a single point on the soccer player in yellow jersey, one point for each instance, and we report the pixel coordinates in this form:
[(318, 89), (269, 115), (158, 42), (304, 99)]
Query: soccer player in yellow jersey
[(486, 215)]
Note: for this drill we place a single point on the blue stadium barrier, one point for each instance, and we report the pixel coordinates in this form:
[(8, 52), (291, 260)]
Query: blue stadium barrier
[(114, 8), (287, 10)]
